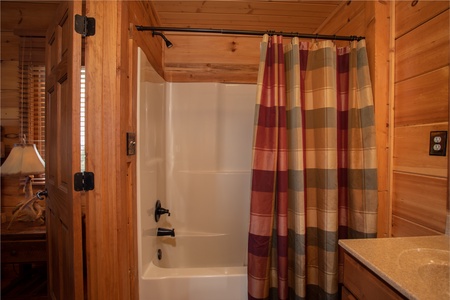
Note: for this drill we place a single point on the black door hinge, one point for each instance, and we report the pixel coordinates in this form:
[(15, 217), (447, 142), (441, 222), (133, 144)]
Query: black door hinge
[(83, 181), (84, 25)]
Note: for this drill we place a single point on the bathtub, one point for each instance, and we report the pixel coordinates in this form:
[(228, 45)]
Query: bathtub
[(195, 266), (225, 283), (194, 155)]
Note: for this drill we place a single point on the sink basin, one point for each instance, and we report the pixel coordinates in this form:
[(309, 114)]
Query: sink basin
[(423, 256), (432, 266)]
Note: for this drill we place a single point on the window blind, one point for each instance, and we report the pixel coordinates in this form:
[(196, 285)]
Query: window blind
[(32, 91)]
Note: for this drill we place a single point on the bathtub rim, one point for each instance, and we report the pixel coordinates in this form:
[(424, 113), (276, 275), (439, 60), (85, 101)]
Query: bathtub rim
[(155, 272)]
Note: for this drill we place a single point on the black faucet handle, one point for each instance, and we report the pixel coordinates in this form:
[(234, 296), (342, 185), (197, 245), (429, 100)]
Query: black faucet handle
[(160, 211)]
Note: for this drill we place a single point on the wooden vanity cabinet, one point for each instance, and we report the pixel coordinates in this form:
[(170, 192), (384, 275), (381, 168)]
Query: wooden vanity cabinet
[(361, 283)]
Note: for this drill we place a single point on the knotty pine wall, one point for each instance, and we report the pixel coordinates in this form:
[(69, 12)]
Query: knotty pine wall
[(420, 181)]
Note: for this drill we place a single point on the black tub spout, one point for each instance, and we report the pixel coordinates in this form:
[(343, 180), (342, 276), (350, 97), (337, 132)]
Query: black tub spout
[(165, 232)]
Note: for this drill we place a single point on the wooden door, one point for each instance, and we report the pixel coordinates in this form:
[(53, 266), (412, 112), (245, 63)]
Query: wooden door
[(63, 207)]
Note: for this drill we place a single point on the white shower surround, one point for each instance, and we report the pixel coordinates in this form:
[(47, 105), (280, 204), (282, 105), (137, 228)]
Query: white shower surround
[(194, 155)]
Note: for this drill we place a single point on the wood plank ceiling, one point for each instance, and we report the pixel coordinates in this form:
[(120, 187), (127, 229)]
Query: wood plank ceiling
[(27, 18), (31, 17), (286, 16)]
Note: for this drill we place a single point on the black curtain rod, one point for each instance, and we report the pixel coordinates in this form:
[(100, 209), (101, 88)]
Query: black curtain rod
[(250, 32)]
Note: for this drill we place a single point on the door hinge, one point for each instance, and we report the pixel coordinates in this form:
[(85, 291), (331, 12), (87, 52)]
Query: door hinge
[(84, 25), (83, 181)]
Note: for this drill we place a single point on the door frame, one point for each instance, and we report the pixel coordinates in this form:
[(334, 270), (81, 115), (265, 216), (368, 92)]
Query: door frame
[(110, 113)]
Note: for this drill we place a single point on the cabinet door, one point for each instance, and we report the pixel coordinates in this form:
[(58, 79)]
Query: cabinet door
[(346, 295), (364, 284)]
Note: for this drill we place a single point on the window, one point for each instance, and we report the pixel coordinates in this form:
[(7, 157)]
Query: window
[(32, 92)]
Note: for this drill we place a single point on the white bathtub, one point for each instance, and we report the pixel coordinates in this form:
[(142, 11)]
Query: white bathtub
[(198, 266), (219, 283), (226, 283)]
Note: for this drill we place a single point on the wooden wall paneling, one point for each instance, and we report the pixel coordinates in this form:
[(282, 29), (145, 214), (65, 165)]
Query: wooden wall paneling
[(102, 125), (27, 18), (9, 46), (345, 13), (111, 261), (421, 199), (142, 13), (10, 99), (9, 103), (402, 227), (234, 59), (420, 193), (9, 72), (422, 99), (126, 202), (131, 171), (377, 28), (411, 151), (424, 49), (410, 16)]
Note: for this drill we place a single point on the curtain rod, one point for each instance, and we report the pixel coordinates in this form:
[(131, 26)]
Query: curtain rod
[(252, 32)]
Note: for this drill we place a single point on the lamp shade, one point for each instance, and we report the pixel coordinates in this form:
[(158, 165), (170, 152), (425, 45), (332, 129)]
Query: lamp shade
[(24, 159)]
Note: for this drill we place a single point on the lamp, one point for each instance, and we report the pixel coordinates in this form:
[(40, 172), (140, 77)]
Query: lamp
[(24, 160)]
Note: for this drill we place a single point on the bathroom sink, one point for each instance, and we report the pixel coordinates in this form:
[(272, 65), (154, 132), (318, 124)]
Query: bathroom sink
[(432, 266), (423, 256)]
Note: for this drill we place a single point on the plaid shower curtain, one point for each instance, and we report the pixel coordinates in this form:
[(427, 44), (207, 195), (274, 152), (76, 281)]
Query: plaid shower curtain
[(314, 177)]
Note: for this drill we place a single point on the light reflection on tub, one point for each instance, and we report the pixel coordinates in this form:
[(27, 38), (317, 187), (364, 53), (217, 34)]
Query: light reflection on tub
[(198, 250)]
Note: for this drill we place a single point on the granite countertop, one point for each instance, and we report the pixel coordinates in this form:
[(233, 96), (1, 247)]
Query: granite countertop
[(417, 267)]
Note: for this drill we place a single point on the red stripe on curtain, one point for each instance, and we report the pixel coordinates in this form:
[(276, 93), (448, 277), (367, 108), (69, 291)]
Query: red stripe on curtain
[(269, 180), (342, 86)]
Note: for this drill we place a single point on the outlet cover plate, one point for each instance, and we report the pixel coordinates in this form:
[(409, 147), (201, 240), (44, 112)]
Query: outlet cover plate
[(438, 143)]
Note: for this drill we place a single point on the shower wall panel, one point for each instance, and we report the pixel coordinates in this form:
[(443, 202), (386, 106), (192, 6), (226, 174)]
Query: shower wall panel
[(208, 147), (151, 156), (194, 155)]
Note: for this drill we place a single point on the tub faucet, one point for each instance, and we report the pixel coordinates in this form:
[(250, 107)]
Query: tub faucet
[(165, 232), (160, 211)]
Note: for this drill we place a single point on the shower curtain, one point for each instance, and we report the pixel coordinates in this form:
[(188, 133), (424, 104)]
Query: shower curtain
[(314, 177)]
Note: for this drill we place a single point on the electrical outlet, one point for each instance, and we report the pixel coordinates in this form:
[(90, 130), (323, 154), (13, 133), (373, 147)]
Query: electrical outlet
[(438, 143)]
